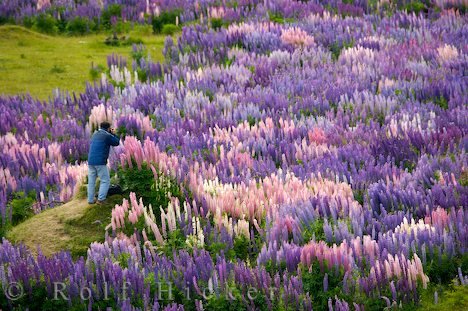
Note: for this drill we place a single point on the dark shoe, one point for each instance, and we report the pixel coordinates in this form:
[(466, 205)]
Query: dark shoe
[(99, 202), (91, 203)]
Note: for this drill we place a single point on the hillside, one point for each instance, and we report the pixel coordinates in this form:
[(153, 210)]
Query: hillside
[(71, 226), (37, 63)]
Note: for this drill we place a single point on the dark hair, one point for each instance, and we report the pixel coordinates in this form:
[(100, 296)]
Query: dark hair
[(105, 125)]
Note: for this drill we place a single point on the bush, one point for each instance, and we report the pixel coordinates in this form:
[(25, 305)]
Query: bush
[(79, 26), (21, 206), (143, 184), (121, 27), (416, 7), (169, 29), (28, 21), (111, 10), (216, 23), (46, 23), (164, 18)]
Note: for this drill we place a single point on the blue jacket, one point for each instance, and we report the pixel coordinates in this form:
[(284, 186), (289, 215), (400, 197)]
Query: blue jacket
[(100, 145)]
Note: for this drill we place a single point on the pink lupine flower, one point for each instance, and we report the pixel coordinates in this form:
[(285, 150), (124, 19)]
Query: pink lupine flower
[(296, 37), (334, 256), (438, 218), (216, 12), (42, 4)]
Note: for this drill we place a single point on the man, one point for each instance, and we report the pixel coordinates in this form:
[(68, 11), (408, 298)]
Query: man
[(99, 147)]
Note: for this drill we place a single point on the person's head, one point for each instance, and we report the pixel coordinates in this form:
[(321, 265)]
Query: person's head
[(105, 125)]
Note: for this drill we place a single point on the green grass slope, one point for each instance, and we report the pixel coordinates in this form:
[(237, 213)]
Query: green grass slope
[(38, 64), (72, 226)]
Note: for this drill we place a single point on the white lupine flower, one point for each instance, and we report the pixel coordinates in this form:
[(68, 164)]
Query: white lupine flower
[(413, 226), (447, 53)]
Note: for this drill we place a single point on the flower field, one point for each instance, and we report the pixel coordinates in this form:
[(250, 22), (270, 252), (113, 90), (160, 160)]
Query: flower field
[(285, 155)]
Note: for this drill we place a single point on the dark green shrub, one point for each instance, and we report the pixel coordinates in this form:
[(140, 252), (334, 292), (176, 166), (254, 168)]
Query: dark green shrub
[(152, 192), (111, 10), (6, 20), (216, 23), (28, 21), (313, 283), (21, 206), (442, 102), (169, 29), (121, 27), (164, 18), (276, 17), (79, 26), (241, 247), (416, 7), (46, 23)]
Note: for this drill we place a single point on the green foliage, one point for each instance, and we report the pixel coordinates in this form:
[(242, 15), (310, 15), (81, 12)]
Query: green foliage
[(452, 297), (443, 269), (215, 248), (337, 47), (111, 10), (138, 54), (442, 102), (122, 259), (315, 229), (464, 179), (273, 268), (121, 27), (38, 300), (313, 283), (241, 247), (46, 23), (28, 21), (216, 23), (209, 93), (169, 29), (251, 120), (154, 192), (229, 301), (96, 71), (175, 241), (359, 196), (276, 17), (21, 205), (415, 7), (79, 26), (164, 18)]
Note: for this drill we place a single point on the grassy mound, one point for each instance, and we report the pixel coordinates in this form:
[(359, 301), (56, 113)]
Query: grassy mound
[(72, 226)]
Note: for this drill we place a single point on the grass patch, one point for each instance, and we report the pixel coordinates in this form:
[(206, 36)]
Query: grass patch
[(36, 63), (72, 226), (90, 226)]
